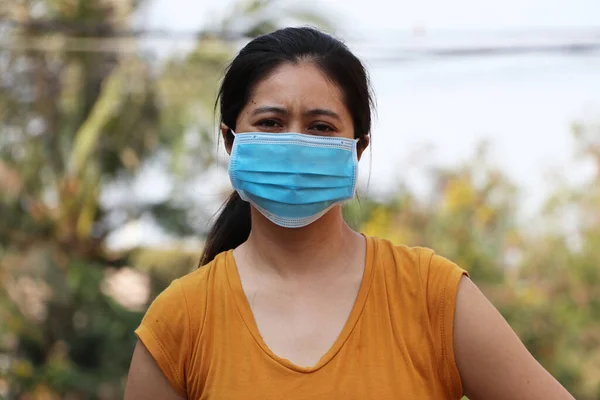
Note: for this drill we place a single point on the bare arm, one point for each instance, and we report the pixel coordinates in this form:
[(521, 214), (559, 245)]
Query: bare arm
[(492, 361), (146, 381)]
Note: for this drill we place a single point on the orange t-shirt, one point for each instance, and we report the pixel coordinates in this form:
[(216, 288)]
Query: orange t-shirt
[(396, 344)]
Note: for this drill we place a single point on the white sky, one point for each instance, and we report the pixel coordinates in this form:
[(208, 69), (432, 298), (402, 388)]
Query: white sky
[(402, 14)]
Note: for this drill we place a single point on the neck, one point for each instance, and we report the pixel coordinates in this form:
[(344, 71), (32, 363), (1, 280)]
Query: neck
[(297, 251)]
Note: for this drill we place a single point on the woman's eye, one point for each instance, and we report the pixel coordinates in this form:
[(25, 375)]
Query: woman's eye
[(269, 123), (322, 128)]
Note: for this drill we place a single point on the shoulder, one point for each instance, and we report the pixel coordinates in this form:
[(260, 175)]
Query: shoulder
[(420, 261), (175, 319), (194, 286), (419, 268), (187, 295)]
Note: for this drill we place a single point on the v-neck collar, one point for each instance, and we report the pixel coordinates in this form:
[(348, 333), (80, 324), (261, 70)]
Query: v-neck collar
[(237, 290)]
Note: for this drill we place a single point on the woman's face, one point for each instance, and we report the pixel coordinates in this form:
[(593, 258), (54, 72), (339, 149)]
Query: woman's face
[(296, 98)]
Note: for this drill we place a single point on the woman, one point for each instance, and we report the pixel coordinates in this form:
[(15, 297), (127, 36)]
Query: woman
[(290, 303)]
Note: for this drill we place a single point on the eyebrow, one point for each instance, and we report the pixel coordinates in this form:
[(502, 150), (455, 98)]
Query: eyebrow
[(278, 110), (270, 109), (320, 111)]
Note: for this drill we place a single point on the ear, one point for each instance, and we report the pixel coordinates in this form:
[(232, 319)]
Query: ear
[(227, 137), (363, 143)]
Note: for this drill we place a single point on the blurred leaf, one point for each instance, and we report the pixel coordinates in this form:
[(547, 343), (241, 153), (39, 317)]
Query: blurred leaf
[(88, 135)]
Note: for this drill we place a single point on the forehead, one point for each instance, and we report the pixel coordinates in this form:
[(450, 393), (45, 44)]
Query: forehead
[(300, 85)]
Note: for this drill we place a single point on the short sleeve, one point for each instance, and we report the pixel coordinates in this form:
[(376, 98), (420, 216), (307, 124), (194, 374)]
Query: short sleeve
[(441, 278), (165, 332)]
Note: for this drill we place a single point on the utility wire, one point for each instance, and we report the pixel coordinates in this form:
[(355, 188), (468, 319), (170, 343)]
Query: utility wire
[(59, 43), (71, 36), (106, 30), (79, 28), (490, 51)]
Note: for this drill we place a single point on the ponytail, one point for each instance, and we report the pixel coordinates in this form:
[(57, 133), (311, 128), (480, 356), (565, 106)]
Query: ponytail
[(231, 228)]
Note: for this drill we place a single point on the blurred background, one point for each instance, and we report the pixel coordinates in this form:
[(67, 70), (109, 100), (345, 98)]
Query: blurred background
[(486, 148)]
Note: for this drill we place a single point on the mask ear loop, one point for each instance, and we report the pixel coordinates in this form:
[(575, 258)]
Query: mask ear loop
[(229, 130)]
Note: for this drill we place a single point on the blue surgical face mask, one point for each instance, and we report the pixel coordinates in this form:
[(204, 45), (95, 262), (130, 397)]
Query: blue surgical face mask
[(291, 178)]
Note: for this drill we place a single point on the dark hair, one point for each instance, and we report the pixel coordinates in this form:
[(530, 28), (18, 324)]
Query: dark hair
[(255, 62)]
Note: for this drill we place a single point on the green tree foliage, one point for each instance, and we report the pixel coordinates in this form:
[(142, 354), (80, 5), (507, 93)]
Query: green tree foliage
[(555, 301), (83, 112)]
